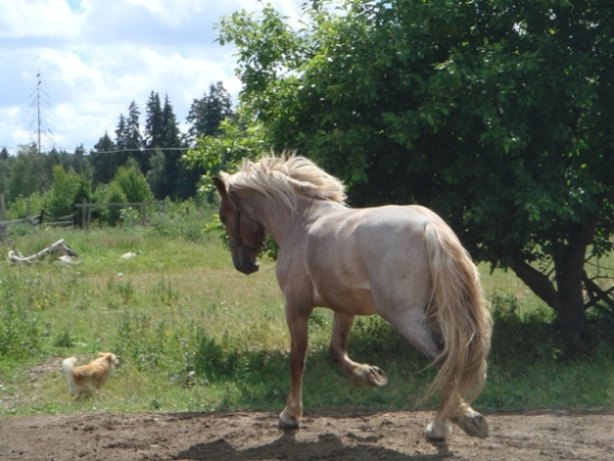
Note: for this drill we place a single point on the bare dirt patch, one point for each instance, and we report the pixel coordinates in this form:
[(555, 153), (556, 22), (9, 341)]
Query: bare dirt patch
[(343, 435)]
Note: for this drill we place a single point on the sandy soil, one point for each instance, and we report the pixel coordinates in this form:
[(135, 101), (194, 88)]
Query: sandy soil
[(342, 436)]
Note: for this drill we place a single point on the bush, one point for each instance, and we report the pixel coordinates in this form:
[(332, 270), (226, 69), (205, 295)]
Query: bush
[(63, 193), (114, 199)]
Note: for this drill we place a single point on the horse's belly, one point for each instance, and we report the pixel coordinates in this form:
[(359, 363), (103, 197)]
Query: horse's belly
[(350, 300)]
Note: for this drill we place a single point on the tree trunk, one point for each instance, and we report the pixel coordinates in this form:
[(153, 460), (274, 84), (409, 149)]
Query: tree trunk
[(569, 269), (566, 297)]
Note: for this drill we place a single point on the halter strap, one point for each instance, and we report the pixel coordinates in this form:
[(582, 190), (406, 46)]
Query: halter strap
[(236, 234)]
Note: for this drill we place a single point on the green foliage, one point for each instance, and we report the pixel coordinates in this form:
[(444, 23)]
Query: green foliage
[(133, 184), (25, 207), (181, 219), (20, 326), (115, 198), (495, 114), (32, 165), (225, 151), (64, 192), (207, 114)]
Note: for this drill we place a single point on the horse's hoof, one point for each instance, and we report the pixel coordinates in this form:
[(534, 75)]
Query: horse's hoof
[(370, 376), (437, 434), (474, 424), (287, 421)]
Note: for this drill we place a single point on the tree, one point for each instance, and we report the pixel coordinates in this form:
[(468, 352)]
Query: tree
[(156, 176), (30, 173), (133, 138), (5, 170), (79, 161), (207, 113), (64, 191), (128, 140), (224, 151), (497, 114), (167, 176), (132, 183), (154, 125), (105, 160)]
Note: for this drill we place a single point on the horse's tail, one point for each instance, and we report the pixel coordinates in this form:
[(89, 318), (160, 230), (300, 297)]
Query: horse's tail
[(458, 312)]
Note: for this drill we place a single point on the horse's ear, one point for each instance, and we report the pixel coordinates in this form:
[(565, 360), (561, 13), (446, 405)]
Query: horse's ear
[(220, 185)]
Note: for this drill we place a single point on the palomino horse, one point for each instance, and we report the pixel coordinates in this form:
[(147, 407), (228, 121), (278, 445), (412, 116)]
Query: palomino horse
[(401, 262)]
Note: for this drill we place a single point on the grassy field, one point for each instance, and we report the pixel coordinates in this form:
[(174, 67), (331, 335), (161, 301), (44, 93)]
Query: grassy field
[(193, 334)]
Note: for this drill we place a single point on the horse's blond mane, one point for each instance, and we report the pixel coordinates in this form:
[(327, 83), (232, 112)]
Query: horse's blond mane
[(283, 177)]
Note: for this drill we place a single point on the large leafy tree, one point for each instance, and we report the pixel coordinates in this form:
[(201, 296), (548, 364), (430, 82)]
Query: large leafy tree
[(498, 114)]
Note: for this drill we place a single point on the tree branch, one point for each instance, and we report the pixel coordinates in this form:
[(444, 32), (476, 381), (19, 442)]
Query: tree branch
[(539, 283)]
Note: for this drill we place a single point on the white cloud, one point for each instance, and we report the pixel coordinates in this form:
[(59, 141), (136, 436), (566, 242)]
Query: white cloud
[(172, 12), (38, 18), (96, 56)]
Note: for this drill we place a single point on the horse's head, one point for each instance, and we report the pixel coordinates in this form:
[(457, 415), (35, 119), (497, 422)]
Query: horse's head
[(245, 235)]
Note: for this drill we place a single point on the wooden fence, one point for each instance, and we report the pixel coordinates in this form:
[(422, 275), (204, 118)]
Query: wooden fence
[(85, 210), (82, 217)]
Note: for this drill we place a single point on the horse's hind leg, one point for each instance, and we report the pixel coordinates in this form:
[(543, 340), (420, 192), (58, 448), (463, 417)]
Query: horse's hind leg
[(454, 408), (362, 374), (470, 421), (412, 325)]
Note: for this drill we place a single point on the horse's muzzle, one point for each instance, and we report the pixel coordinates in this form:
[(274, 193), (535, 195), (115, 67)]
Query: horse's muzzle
[(248, 268), (244, 263)]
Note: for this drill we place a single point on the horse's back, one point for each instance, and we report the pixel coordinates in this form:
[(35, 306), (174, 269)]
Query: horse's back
[(359, 258)]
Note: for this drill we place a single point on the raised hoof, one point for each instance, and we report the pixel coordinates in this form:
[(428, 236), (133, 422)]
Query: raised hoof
[(434, 434), (370, 376), (474, 424), (287, 421)]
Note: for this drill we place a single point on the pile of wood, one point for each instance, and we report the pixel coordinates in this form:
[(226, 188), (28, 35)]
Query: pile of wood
[(63, 252)]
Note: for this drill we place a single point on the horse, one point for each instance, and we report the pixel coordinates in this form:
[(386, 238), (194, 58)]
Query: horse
[(401, 262)]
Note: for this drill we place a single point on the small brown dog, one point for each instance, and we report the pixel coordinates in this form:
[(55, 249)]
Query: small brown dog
[(85, 379)]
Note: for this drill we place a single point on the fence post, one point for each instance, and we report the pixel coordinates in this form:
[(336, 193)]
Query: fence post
[(4, 230)]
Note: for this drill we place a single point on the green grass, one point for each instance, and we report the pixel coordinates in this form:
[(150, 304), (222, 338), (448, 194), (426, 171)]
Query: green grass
[(193, 334)]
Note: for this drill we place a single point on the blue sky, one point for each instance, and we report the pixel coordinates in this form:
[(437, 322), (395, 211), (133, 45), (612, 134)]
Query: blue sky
[(96, 56)]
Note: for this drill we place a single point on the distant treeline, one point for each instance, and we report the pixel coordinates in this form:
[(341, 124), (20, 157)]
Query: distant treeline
[(153, 151)]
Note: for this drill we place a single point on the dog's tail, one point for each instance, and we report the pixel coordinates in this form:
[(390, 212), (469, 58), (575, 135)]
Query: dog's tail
[(68, 366)]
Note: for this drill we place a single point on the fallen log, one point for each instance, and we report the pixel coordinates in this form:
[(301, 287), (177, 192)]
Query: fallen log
[(63, 251)]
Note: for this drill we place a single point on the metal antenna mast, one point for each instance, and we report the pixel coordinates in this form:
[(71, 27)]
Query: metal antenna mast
[(37, 98), (38, 110)]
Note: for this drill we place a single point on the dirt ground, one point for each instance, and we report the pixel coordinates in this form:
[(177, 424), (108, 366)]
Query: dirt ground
[(343, 436)]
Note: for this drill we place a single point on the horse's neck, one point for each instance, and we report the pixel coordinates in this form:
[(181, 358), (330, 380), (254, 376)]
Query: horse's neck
[(276, 219), (282, 223)]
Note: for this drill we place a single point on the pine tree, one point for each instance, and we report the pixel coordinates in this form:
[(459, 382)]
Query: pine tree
[(206, 114), (154, 124), (169, 123), (104, 159), (134, 140)]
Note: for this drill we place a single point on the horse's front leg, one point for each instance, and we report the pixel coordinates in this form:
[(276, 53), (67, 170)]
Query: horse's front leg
[(362, 374), (297, 324)]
